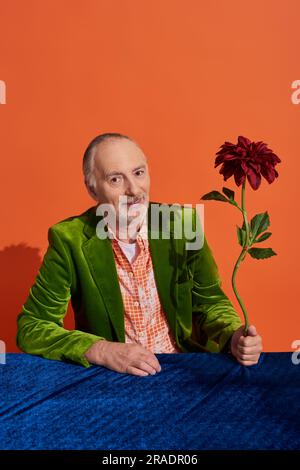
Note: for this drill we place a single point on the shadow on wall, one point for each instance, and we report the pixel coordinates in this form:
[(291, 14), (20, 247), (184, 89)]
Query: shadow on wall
[(19, 265)]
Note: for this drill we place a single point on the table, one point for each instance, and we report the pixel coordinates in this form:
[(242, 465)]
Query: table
[(198, 401)]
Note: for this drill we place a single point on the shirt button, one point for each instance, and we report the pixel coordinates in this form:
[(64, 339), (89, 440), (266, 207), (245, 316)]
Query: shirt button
[(136, 304), (130, 274)]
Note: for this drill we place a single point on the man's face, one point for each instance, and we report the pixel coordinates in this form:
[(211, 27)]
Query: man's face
[(121, 170)]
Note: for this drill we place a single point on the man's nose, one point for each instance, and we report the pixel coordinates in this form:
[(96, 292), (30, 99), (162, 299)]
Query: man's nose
[(132, 188)]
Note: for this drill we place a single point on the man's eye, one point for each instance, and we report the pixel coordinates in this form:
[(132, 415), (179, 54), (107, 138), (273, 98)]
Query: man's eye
[(139, 172), (115, 179)]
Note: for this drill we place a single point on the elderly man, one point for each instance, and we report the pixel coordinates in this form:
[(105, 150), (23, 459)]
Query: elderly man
[(133, 295)]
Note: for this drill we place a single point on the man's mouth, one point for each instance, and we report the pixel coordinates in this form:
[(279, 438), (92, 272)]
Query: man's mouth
[(136, 201)]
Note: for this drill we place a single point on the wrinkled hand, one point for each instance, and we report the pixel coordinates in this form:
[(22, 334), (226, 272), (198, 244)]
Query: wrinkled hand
[(246, 349), (127, 358)]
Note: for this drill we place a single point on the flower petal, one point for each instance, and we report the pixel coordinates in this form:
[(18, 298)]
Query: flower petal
[(227, 170), (239, 176), (254, 178), (244, 142), (269, 173)]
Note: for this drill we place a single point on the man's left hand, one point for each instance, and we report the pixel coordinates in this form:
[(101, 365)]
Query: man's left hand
[(246, 349)]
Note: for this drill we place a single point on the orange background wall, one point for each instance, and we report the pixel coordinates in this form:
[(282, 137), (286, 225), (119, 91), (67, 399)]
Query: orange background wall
[(180, 77)]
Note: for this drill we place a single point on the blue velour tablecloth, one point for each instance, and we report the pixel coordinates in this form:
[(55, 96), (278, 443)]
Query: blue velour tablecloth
[(198, 401)]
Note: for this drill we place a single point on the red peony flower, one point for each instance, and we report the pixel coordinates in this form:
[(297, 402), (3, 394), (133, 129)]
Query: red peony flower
[(246, 158), (251, 159)]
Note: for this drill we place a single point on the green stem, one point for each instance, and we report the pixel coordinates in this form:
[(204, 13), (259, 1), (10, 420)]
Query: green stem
[(241, 258)]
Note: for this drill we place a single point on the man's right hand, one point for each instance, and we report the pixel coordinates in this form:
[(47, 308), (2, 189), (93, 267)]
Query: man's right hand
[(128, 358)]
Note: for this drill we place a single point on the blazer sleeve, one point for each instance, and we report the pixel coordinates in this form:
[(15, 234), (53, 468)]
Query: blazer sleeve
[(40, 323), (216, 318)]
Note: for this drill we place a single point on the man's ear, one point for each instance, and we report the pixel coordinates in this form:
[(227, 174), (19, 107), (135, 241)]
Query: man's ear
[(91, 190)]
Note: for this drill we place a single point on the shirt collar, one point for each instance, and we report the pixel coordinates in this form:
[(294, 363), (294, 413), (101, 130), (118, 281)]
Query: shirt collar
[(142, 235)]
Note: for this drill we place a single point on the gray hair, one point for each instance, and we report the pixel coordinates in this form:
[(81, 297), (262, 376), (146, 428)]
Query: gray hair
[(88, 157)]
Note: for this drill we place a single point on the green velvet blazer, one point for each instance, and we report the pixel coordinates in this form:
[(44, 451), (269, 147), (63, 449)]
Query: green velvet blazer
[(79, 267)]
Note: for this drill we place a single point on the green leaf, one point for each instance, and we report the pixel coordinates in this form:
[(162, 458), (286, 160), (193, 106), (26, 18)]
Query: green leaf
[(229, 193), (261, 253), (216, 196), (263, 237), (242, 235), (259, 223)]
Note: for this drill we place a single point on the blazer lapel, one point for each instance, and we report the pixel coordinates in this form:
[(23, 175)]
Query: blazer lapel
[(100, 257), (164, 260)]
